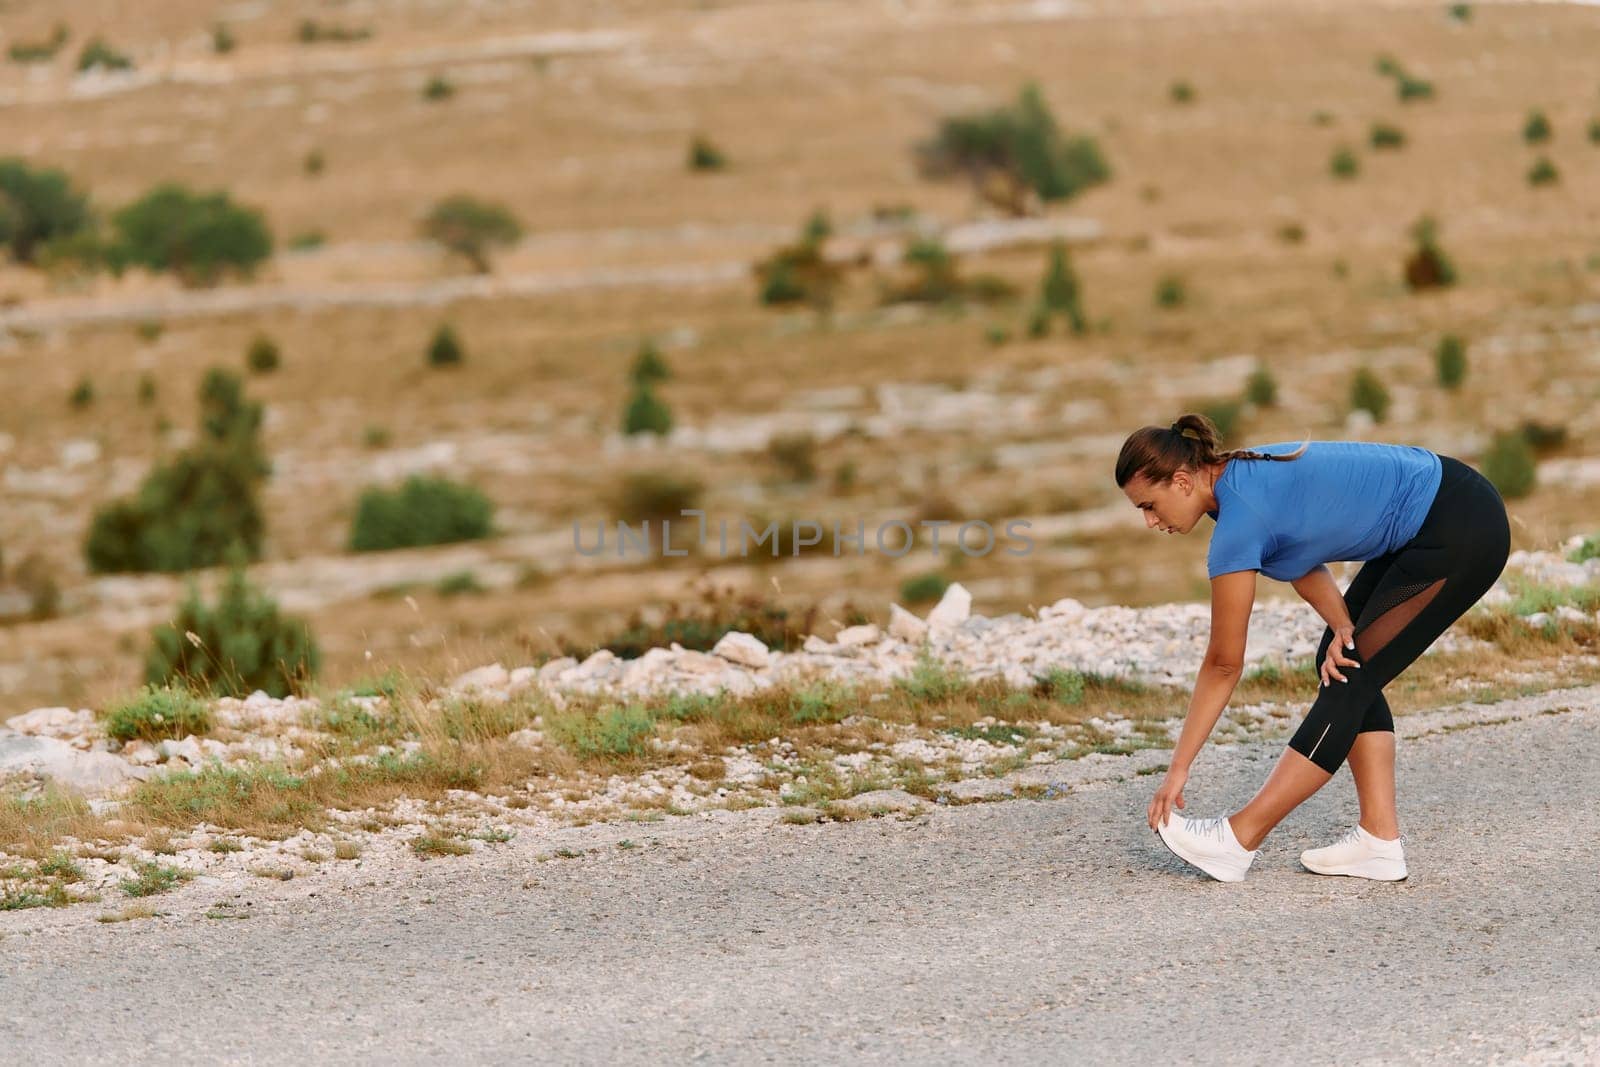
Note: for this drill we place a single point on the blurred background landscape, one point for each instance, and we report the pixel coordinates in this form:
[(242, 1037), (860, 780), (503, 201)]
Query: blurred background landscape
[(490, 269)]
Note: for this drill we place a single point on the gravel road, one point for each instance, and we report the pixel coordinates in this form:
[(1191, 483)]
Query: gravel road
[(1013, 932)]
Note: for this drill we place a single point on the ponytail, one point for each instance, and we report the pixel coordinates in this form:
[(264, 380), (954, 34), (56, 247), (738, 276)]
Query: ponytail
[(1188, 444)]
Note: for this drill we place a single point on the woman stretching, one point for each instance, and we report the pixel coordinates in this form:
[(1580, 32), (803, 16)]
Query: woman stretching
[(1434, 537)]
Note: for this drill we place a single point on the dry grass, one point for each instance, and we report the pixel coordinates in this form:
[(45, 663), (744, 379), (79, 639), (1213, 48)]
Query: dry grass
[(30, 826)]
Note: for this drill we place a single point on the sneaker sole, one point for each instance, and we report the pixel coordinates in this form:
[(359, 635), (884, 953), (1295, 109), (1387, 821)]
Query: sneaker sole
[(1199, 865), (1371, 871)]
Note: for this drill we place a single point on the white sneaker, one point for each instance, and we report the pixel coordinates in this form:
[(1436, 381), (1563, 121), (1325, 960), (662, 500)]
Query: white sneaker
[(1359, 855), (1208, 844)]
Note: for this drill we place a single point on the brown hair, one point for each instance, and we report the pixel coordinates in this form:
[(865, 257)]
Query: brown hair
[(1190, 443)]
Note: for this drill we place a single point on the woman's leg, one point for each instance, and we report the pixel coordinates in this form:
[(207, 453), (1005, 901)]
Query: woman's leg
[(1371, 761)]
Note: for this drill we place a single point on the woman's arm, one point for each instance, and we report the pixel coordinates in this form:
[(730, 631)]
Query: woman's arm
[(1317, 588), (1231, 598)]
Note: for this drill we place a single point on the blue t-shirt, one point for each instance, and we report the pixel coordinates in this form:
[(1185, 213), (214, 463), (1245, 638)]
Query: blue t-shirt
[(1341, 500)]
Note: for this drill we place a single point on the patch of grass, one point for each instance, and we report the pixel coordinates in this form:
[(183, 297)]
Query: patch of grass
[(61, 867), (611, 733), (277, 874), (437, 845), (52, 896), (30, 825), (131, 911), (152, 878), (225, 845), (932, 680), (995, 734), (494, 835), (347, 850), (159, 712)]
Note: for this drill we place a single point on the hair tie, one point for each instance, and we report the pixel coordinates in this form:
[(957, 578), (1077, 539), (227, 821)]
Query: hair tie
[(1189, 433)]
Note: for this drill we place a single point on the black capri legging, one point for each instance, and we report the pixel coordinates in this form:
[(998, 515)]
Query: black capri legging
[(1401, 602)]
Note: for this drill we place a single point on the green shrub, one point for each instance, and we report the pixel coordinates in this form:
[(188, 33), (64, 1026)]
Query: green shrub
[(375, 435), (648, 366), (469, 227), (262, 356), (458, 583), (1368, 394), (1536, 128), (1428, 267), (438, 88), (1384, 136), (1594, 131), (1344, 164), (1014, 153), (645, 495), (1408, 89), (197, 236), (146, 389), (1461, 12), (422, 511), (705, 156), (1181, 92), (1450, 359), (82, 394), (1062, 685), (1588, 549), (924, 588), (800, 273), (312, 32), (314, 163), (37, 207), (1292, 233), (997, 335), (158, 712), (614, 732), (1170, 292), (307, 240), (646, 413), (931, 680), (1060, 292), (40, 51), (1509, 465), (191, 511), (1039, 321), (235, 647), (1261, 389), (444, 349), (222, 39), (1543, 437), (151, 878), (1543, 172), (96, 53)]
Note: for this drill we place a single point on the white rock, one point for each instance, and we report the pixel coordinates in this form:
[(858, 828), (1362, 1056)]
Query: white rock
[(906, 626), (743, 649), (1537, 619), (859, 636), (1066, 608), (523, 677), (141, 753), (598, 663), (93, 773), (52, 721), (187, 749), (816, 645), (494, 676), (1568, 613), (952, 609), (554, 669)]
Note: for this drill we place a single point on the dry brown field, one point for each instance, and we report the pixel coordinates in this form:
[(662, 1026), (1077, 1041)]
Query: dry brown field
[(578, 117)]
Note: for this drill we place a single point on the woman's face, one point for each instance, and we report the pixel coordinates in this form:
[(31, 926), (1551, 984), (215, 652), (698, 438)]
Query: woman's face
[(1172, 508)]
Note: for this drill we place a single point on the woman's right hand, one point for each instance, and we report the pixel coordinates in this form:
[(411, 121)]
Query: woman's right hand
[(1343, 640), (1169, 796)]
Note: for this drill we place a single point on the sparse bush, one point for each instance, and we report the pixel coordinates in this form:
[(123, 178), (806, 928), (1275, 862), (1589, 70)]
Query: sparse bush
[(1536, 128), (1170, 292), (795, 454), (614, 732), (1509, 465), (1181, 92), (422, 511), (1408, 88), (1461, 12), (35, 576), (307, 240), (222, 39), (375, 435), (151, 878), (1014, 155), (235, 647), (37, 207), (1292, 233), (1450, 359), (1428, 267), (648, 366), (444, 349), (147, 389), (197, 236), (1368, 394), (1384, 136), (314, 163), (801, 273), (192, 510), (1543, 172), (997, 335), (705, 156), (150, 330), (1543, 437), (82, 395), (438, 88), (1588, 548), (1261, 389), (1039, 321), (158, 712), (646, 413), (1060, 293), (40, 51), (469, 227), (931, 680), (1344, 164), (97, 54), (645, 495), (924, 588), (312, 32), (1594, 131), (459, 583), (262, 357)]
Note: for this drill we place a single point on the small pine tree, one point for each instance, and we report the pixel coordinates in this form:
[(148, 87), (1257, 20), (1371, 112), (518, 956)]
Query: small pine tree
[(1368, 394), (262, 357), (1170, 292), (1261, 389), (1344, 164), (147, 389), (1543, 172), (1509, 465), (1384, 136), (1450, 358), (1428, 267), (646, 413), (1594, 131), (648, 366), (422, 511), (1060, 293), (237, 646), (445, 350), (438, 88), (82, 394), (1461, 13), (1181, 92), (705, 156), (1536, 129), (222, 39)]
